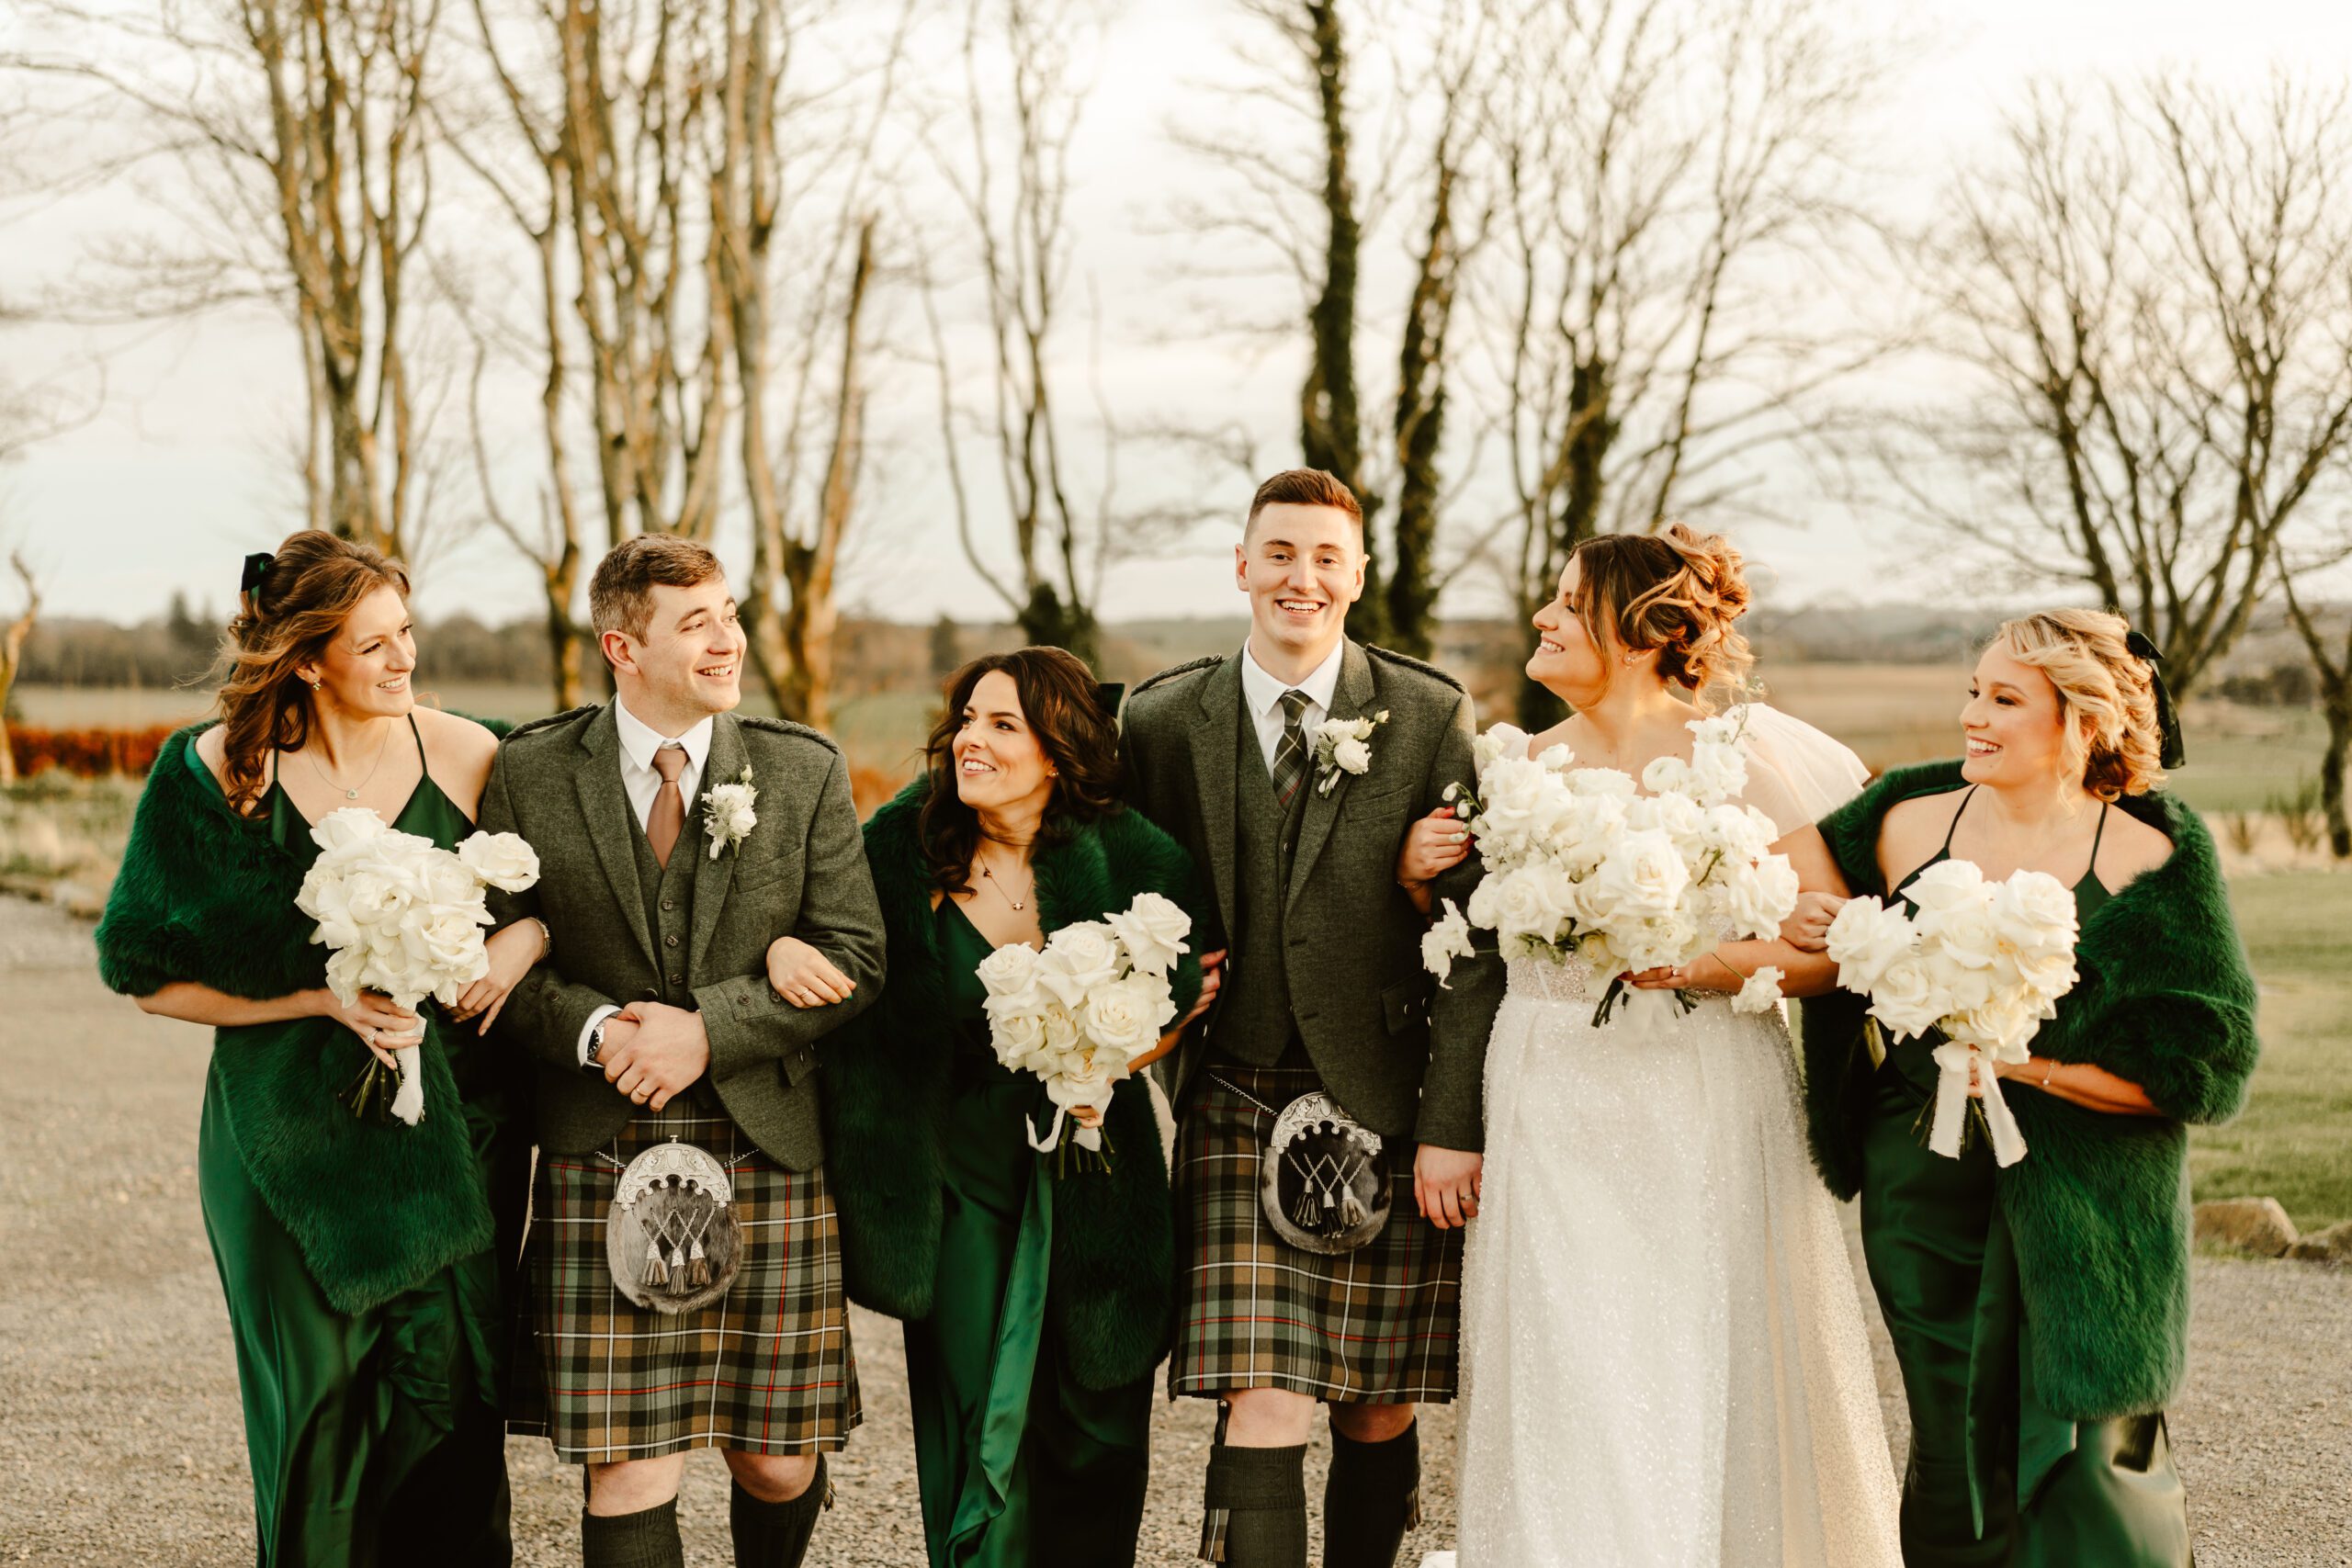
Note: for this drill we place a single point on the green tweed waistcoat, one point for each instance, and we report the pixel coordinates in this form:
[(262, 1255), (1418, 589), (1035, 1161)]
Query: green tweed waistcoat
[(1256, 1025)]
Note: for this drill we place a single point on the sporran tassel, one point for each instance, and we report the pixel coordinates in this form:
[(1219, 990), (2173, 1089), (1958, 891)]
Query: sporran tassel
[(656, 1271), (1351, 1212), (697, 1268)]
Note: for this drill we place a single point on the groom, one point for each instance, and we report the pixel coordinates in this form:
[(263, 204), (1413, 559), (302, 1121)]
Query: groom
[(1324, 992), (653, 1024)]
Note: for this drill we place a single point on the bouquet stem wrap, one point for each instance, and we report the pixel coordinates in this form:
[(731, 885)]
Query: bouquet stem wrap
[(1957, 1065)]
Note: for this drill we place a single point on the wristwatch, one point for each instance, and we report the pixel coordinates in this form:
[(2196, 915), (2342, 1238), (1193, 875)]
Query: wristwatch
[(588, 1064)]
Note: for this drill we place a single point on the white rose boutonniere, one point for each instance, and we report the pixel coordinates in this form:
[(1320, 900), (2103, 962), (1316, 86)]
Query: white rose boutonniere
[(726, 814), (1344, 746)]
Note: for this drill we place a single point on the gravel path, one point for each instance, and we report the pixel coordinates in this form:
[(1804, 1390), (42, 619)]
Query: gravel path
[(120, 1438)]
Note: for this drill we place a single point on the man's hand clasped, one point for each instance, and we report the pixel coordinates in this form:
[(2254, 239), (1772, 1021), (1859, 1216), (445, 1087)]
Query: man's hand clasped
[(652, 1052)]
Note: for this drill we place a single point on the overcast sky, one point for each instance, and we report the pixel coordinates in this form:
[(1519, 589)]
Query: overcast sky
[(185, 470)]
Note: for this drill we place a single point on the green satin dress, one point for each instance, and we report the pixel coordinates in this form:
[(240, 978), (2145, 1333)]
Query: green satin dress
[(1995, 1479), (1019, 1466), (374, 1438)]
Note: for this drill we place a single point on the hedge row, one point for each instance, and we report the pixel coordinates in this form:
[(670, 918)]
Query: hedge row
[(86, 753)]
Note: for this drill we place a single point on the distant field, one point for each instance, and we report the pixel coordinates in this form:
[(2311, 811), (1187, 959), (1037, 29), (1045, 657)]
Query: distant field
[(2295, 1140)]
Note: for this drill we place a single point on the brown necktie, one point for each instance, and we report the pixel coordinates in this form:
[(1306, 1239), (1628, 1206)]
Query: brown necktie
[(668, 817)]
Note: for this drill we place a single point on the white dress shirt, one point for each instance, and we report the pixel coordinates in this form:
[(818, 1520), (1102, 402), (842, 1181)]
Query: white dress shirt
[(639, 741), (1262, 694)]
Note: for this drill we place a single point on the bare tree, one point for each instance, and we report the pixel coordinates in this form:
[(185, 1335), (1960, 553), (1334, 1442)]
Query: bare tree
[(1637, 303), (1011, 178), (2148, 288), (2331, 658), (12, 650), (300, 128)]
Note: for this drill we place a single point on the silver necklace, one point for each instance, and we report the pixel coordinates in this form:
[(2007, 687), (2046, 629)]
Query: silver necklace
[(352, 794)]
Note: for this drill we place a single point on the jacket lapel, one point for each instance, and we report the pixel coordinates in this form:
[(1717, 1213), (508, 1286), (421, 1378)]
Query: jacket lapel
[(1214, 727), (604, 803), (1349, 700), (713, 878)]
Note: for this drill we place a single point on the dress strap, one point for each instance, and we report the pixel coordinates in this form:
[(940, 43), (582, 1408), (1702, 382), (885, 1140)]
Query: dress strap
[(419, 736), (2100, 832), (1966, 797)]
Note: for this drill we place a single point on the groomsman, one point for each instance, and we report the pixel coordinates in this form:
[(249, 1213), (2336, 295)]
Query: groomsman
[(1314, 1269), (676, 843)]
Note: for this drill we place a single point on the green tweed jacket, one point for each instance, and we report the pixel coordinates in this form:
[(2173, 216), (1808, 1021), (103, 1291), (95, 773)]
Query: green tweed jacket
[(800, 873), (1402, 1055)]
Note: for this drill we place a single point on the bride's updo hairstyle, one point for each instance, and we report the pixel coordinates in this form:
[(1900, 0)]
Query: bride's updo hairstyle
[(1677, 590), (303, 595), (2107, 696)]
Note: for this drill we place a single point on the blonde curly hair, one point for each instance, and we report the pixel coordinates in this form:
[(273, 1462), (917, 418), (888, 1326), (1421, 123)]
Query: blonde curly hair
[(1677, 590), (2107, 696)]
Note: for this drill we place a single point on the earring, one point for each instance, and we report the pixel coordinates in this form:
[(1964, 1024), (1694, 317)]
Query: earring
[(316, 686)]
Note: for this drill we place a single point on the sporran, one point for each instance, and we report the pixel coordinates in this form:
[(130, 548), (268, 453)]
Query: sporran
[(1323, 1178), (671, 1237)]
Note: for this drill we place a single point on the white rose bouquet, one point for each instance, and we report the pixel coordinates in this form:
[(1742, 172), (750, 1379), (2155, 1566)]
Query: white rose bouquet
[(1581, 862), (403, 915), (1980, 965), (1079, 1013)]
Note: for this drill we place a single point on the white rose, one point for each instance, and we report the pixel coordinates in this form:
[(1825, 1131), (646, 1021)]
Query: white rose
[(1447, 938), (445, 880), (1351, 756), (1758, 895), (1532, 901), (1503, 741), (371, 896), (1721, 728), (1677, 816), (1580, 834), (1600, 781), (1060, 1025), (1761, 992), (340, 831), (506, 861), (1864, 939), (1904, 1000), (324, 899), (1119, 1017), (1153, 930), (1948, 883), (1717, 773), (1076, 959), (1009, 971), (1643, 875), (1016, 1033), (1666, 775)]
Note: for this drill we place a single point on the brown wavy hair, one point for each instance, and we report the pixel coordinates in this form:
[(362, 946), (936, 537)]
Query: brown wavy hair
[(1677, 590), (1080, 737), (2107, 696), (312, 586)]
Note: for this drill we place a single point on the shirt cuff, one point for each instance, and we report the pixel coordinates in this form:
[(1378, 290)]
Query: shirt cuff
[(589, 1028)]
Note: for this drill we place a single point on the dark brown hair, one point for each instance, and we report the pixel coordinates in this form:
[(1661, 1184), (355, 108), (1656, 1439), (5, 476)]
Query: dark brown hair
[(287, 619), (1078, 735), (1677, 590), (620, 596), (1304, 487)]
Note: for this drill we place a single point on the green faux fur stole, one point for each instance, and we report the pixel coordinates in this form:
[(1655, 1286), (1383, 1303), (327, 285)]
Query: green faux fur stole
[(205, 895), (886, 1079), (2166, 1000)]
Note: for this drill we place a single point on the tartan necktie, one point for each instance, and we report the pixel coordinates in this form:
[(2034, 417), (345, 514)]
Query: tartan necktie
[(1290, 756), (668, 817)]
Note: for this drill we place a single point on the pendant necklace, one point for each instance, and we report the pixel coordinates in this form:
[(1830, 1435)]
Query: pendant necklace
[(352, 794), (1019, 904)]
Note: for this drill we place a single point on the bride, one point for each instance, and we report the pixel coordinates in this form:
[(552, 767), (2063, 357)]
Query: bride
[(1663, 1356)]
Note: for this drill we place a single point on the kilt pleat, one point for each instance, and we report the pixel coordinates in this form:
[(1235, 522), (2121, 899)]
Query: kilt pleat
[(766, 1369), (1379, 1325)]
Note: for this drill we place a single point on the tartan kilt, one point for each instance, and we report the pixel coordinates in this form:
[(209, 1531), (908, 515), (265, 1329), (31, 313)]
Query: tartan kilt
[(1380, 1324), (766, 1369)]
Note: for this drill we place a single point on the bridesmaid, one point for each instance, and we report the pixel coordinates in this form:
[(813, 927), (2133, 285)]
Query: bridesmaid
[(2040, 1313), (1037, 1307), (362, 1261)]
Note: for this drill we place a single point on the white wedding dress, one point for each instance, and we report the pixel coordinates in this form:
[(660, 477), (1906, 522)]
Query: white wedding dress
[(1664, 1363)]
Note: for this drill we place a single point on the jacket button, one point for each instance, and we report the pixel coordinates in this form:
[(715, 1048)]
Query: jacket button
[(677, 979), (650, 995), (670, 940), (669, 903)]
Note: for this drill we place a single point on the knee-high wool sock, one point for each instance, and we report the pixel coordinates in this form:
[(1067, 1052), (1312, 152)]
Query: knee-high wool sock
[(775, 1535), (647, 1539), (1257, 1507), (1371, 1498)]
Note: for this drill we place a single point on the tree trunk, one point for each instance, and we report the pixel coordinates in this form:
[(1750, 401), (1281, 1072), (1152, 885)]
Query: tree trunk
[(2338, 709), (1330, 422), (1419, 429), (12, 652)]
